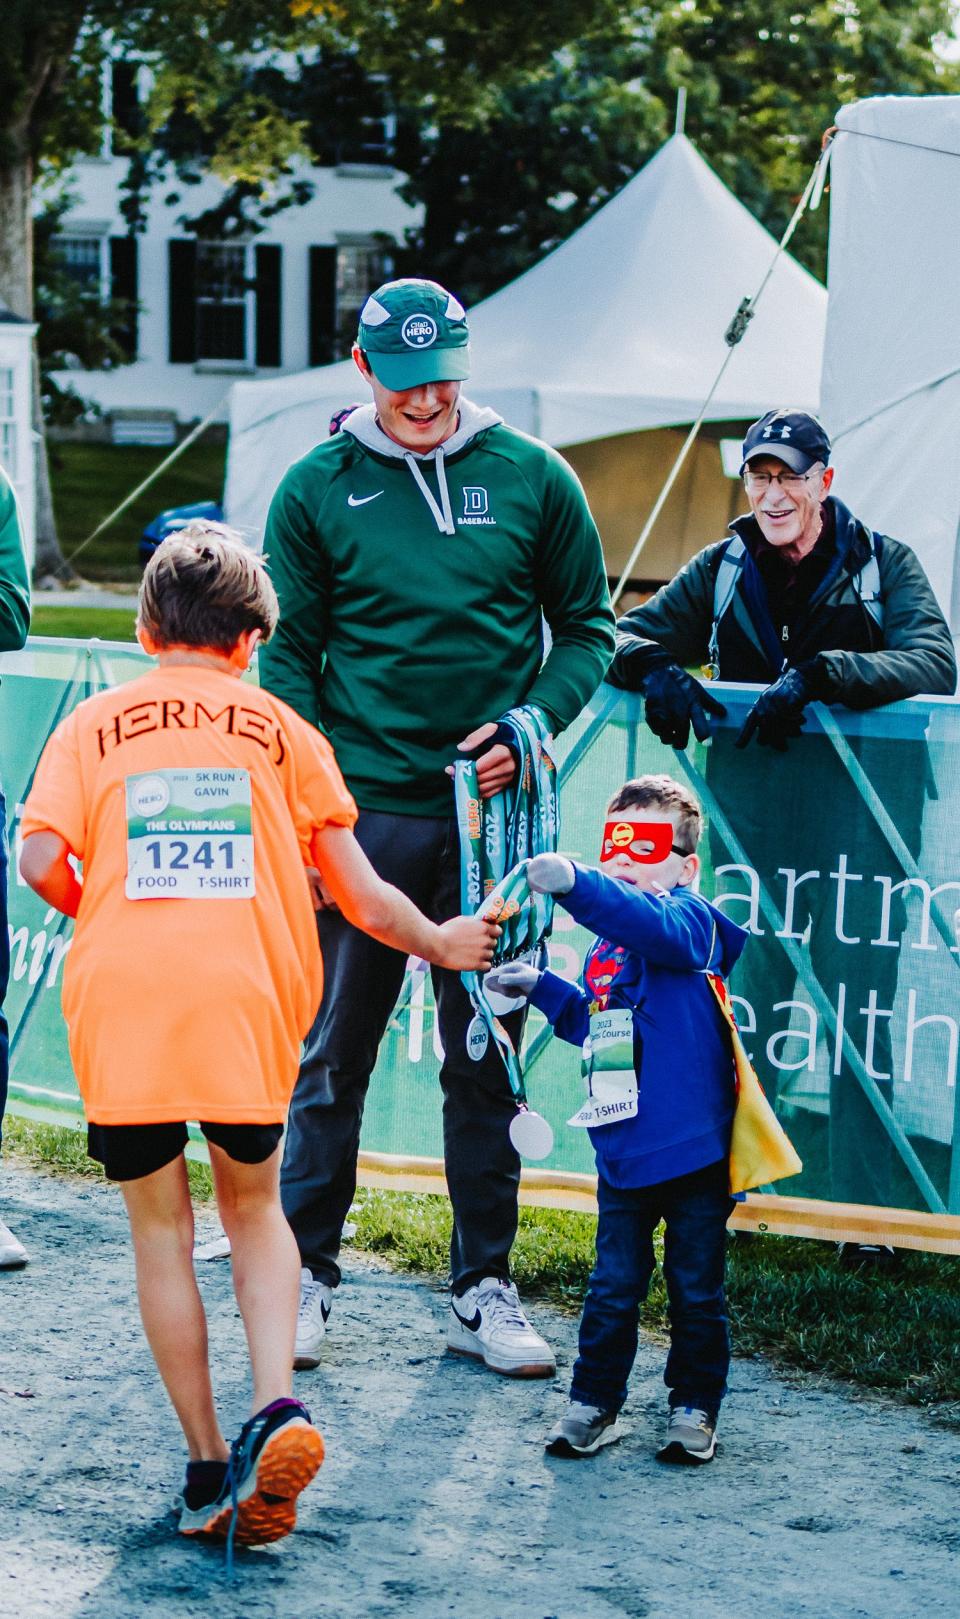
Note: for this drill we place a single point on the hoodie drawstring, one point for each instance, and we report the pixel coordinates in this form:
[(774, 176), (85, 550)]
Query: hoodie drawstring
[(442, 514)]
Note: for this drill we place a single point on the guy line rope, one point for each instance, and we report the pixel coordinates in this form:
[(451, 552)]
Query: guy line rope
[(812, 193)]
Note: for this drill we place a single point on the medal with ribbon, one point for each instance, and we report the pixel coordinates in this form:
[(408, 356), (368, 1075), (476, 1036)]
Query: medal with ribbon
[(498, 836)]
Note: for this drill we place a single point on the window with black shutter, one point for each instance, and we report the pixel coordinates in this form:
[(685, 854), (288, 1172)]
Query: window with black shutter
[(221, 301), (362, 267), (323, 304), (183, 301), (125, 108), (123, 292), (80, 258), (225, 303), (341, 280), (268, 273)]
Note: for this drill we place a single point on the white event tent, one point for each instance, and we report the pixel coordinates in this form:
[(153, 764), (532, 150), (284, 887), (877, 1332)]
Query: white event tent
[(891, 385), (602, 348)]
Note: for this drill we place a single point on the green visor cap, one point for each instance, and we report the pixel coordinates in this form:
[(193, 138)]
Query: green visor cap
[(413, 332)]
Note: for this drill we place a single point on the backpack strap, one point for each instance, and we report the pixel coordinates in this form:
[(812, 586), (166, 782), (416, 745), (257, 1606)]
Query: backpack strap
[(867, 584), (725, 587)]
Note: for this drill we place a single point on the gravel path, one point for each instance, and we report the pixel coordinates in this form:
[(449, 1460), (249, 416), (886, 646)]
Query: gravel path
[(436, 1499)]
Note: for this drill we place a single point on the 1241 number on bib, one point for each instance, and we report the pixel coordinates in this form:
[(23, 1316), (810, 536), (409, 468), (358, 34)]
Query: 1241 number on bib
[(189, 835)]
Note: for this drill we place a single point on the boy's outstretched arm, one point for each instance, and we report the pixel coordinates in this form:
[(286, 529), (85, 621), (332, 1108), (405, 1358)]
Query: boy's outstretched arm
[(681, 937), (565, 1006), (465, 943), (45, 865)]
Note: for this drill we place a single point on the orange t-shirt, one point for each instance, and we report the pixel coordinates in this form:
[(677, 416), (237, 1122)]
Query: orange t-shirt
[(189, 1007)]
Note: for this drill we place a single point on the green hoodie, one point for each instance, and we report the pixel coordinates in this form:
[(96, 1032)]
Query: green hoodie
[(411, 590), (14, 578)]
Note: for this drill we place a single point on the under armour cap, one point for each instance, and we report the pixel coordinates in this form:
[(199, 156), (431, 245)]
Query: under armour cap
[(414, 331), (792, 436)]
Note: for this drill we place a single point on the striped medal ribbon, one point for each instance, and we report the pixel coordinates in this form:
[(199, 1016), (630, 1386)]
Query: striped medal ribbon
[(498, 836)]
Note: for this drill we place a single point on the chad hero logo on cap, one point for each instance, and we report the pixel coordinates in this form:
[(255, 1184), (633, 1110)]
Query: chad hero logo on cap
[(419, 331)]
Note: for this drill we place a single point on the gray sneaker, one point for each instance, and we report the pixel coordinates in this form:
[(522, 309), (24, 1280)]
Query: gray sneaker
[(13, 1255), (582, 1430), (691, 1436)]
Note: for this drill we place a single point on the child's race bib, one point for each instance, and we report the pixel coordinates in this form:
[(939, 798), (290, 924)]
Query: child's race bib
[(189, 835), (608, 1070)]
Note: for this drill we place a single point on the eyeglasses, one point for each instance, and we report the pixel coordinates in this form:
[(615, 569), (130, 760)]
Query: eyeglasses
[(786, 480)]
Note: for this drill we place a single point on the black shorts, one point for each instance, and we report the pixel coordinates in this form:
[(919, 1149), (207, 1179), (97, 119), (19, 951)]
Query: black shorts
[(130, 1151)]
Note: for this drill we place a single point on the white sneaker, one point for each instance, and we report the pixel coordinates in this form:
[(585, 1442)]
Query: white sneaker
[(312, 1317), (13, 1254), (487, 1322)]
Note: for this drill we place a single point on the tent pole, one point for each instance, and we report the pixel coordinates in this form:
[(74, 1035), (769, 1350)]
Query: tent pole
[(681, 113)]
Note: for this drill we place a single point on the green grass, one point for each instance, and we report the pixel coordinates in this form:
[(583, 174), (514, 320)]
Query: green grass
[(89, 480), (62, 1150), (108, 623), (897, 1331)]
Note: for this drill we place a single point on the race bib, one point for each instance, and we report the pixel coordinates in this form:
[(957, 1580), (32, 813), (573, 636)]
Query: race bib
[(189, 835), (608, 1070)]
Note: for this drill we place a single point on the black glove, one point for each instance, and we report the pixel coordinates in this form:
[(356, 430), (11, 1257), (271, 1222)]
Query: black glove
[(503, 735), (778, 713), (673, 701)]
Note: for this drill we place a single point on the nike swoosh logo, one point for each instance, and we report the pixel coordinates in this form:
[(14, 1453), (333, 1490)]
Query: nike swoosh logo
[(363, 500), (472, 1326)]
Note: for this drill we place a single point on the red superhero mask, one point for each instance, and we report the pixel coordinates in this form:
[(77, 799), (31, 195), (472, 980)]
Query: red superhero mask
[(645, 842)]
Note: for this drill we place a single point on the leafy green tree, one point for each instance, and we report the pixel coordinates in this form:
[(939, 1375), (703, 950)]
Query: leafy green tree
[(553, 151), (209, 106), (77, 330), (517, 121), (764, 80)]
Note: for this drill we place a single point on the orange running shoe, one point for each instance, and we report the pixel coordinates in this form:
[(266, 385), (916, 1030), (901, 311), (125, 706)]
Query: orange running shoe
[(275, 1455)]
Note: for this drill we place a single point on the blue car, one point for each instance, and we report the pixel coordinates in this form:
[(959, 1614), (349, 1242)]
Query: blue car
[(169, 521)]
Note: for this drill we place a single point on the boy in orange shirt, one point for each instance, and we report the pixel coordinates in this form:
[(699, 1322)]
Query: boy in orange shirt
[(196, 804)]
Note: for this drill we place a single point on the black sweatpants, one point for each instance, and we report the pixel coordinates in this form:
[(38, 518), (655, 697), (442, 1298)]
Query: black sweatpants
[(362, 979)]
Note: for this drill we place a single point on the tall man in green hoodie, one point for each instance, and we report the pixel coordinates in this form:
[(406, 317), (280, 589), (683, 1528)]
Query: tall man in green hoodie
[(14, 624), (416, 554)]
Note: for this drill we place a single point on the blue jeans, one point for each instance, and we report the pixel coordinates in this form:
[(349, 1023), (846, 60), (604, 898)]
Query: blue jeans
[(4, 959), (695, 1209)]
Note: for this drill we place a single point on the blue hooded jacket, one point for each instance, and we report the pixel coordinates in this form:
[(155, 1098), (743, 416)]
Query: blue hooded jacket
[(681, 1047)]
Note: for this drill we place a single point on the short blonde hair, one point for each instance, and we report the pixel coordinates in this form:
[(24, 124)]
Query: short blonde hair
[(204, 587), (664, 793)]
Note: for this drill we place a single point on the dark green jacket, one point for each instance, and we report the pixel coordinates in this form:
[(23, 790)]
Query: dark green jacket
[(408, 618), (14, 578), (856, 662)]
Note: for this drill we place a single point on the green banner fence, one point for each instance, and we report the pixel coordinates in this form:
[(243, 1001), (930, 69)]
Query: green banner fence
[(842, 858)]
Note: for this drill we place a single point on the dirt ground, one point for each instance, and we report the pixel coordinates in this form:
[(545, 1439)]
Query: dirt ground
[(436, 1498)]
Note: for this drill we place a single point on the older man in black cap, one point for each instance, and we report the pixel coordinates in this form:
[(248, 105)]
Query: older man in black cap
[(817, 606), (807, 600)]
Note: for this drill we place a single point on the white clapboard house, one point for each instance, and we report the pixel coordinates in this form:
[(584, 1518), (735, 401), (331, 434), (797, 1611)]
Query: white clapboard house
[(208, 312)]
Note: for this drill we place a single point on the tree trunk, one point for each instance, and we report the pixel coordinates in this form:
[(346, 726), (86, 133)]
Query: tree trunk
[(49, 561), (16, 228), (16, 290)]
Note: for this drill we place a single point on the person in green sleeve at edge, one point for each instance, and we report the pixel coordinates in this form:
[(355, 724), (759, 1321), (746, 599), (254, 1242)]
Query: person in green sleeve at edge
[(14, 625), (416, 554)]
